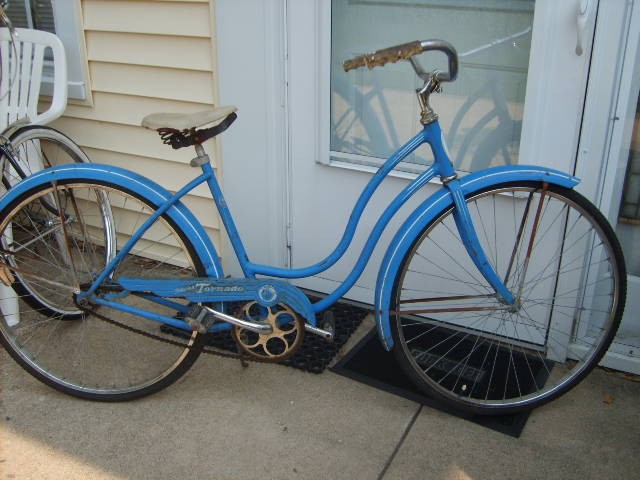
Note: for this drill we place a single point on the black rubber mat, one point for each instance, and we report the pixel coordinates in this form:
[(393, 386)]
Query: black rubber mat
[(368, 362)]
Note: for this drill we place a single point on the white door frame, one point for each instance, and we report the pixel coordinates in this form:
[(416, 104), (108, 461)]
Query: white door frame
[(606, 134), (256, 73), (251, 53)]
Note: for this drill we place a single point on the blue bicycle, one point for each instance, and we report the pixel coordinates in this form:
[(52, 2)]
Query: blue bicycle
[(499, 292)]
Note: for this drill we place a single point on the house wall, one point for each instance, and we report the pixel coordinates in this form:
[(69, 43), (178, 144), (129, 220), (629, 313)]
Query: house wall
[(146, 57)]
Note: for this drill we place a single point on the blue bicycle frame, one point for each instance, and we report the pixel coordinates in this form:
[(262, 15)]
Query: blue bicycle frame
[(442, 167), (221, 290)]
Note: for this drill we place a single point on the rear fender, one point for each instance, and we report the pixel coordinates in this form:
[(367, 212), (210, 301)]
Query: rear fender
[(148, 189)]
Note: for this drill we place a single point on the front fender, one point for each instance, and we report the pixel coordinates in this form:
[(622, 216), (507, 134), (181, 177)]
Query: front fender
[(427, 211), (148, 189)]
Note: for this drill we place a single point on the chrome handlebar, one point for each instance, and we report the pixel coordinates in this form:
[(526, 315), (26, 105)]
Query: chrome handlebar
[(407, 51)]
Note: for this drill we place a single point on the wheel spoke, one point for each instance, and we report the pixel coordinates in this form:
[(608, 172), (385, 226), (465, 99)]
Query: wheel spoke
[(457, 341), (76, 351)]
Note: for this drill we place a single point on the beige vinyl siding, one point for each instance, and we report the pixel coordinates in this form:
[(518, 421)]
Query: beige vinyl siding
[(146, 57)]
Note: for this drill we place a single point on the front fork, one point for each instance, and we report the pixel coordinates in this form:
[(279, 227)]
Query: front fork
[(434, 137), (472, 244)]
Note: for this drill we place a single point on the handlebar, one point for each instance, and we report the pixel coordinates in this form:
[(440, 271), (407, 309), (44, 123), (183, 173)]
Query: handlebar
[(405, 52)]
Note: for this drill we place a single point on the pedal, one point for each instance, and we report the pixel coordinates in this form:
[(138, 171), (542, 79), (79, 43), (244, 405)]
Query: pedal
[(329, 324), (327, 327), (199, 319)]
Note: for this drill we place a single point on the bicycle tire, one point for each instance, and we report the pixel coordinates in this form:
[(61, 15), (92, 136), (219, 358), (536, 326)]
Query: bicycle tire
[(34, 147), (37, 147), (79, 352), (460, 345)]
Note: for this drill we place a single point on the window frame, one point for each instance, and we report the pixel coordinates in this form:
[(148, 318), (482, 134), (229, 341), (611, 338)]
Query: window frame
[(67, 18), (414, 166), (68, 27)]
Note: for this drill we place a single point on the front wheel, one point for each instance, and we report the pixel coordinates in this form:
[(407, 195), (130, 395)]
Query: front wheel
[(556, 253), (56, 239)]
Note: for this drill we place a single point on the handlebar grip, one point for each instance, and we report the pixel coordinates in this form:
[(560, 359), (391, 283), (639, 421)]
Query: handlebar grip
[(6, 22), (405, 52), (384, 56), (4, 19)]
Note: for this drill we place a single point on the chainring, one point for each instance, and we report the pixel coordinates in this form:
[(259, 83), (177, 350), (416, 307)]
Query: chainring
[(283, 341)]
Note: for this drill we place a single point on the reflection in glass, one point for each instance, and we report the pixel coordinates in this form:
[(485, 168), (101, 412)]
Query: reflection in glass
[(481, 113)]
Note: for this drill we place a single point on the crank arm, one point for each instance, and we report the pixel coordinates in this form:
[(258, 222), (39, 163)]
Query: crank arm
[(326, 334), (252, 326), (262, 328)]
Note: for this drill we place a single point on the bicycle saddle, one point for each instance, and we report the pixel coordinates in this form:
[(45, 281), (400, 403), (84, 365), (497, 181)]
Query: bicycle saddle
[(179, 121), (181, 130)]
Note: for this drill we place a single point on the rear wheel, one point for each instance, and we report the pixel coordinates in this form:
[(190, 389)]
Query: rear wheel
[(459, 343), (51, 253), (35, 148)]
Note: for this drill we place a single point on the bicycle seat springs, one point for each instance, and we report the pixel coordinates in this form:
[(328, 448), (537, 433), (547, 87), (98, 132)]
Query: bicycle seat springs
[(192, 136)]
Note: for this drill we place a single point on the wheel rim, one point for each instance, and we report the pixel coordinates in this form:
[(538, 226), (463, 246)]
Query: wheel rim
[(82, 354), (476, 351), (36, 148)]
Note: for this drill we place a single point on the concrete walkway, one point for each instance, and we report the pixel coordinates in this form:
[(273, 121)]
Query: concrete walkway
[(272, 422)]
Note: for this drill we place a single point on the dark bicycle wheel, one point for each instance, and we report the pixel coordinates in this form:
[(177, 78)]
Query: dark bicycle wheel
[(49, 256), (33, 148), (37, 147), (560, 258)]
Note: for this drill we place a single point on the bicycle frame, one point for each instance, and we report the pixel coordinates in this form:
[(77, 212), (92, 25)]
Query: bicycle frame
[(452, 194), (442, 166), (7, 153)]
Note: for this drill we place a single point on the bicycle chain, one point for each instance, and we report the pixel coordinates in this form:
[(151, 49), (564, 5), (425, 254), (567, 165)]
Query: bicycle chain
[(208, 349)]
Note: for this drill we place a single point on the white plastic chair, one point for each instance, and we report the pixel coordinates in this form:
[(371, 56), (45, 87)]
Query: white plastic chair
[(21, 67), (22, 76)]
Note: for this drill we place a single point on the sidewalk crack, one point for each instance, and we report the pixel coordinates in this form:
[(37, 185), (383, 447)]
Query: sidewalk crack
[(400, 442)]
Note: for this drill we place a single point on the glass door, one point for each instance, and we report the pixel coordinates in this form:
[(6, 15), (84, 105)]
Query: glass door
[(372, 112), (518, 98)]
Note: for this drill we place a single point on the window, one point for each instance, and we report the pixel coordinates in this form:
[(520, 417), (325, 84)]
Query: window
[(481, 113), (63, 19)]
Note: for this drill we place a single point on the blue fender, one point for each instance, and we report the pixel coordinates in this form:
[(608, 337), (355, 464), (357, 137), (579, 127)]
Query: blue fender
[(132, 181), (428, 210)]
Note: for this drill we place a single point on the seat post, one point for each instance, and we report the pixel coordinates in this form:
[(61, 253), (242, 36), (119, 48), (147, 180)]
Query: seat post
[(201, 157)]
